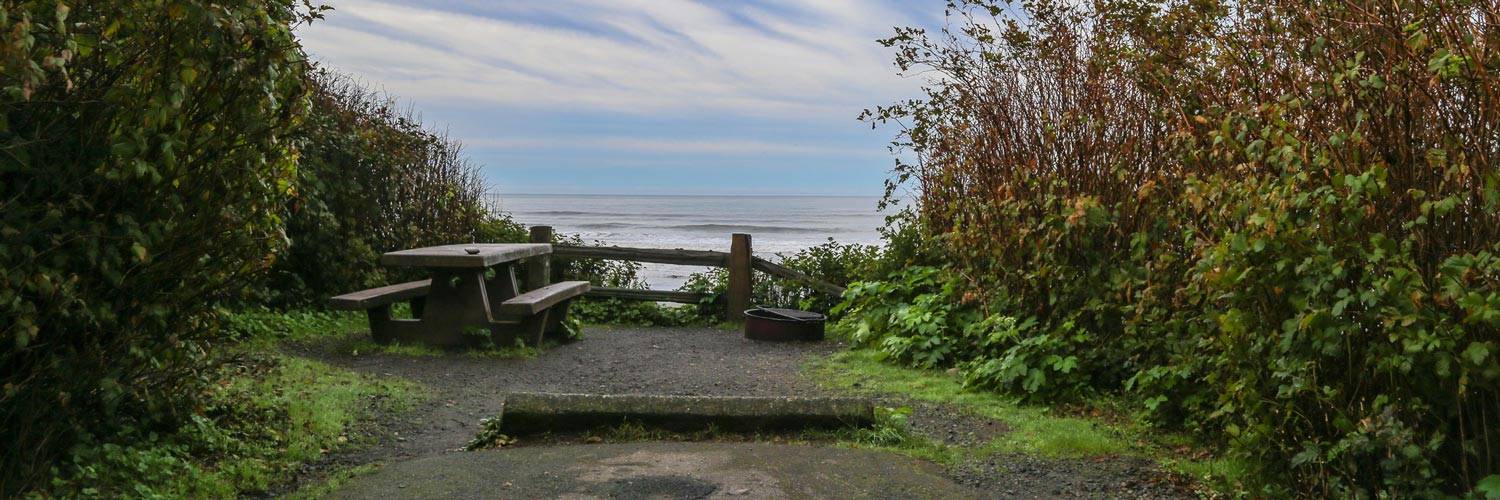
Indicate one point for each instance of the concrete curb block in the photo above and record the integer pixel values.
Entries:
(534, 413)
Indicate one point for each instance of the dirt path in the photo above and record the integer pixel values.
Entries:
(681, 361)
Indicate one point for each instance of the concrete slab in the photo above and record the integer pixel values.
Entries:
(533, 413)
(660, 470)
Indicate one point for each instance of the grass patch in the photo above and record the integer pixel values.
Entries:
(332, 483)
(892, 432)
(1033, 430)
(363, 346)
(322, 401)
(264, 413)
(348, 332)
(260, 328)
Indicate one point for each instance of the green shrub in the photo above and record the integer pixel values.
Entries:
(263, 418)
(615, 274)
(370, 180)
(1274, 223)
(837, 263)
(833, 262)
(144, 158)
(917, 318)
(501, 228)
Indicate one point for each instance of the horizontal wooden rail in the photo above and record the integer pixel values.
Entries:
(740, 260)
(651, 295)
(781, 271)
(657, 255)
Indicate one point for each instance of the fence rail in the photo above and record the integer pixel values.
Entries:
(739, 260)
(654, 255)
(781, 271)
(651, 295)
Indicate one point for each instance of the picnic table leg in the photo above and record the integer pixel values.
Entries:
(556, 329)
(457, 302)
(380, 324)
(535, 327)
(502, 286)
(417, 305)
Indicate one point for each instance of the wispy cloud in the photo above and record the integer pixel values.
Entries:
(660, 145)
(800, 71)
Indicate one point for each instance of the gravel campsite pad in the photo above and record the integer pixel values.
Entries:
(464, 388)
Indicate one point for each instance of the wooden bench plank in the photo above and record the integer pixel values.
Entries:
(538, 300)
(365, 299)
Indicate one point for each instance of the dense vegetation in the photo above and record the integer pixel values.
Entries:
(1276, 224)
(162, 160)
(145, 160)
(370, 179)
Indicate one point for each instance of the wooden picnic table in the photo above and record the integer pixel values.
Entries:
(472, 297)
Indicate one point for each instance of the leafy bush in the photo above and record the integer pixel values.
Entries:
(501, 228)
(144, 159)
(615, 274)
(370, 180)
(1273, 222)
(917, 317)
(263, 418)
(834, 262)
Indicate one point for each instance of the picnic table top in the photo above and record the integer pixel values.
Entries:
(460, 256)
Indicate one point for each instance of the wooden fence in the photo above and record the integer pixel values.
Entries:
(740, 260)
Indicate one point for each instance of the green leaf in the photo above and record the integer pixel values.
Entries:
(1477, 352)
(1489, 487)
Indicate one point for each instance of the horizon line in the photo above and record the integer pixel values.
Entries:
(679, 195)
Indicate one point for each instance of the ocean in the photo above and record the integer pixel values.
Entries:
(777, 224)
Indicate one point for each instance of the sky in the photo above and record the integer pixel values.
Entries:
(639, 96)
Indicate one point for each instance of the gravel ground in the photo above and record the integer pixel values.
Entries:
(1014, 475)
(679, 361)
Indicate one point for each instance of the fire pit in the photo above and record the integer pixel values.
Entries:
(779, 325)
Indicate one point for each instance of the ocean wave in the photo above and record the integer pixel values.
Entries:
(561, 212)
(583, 213)
(754, 229)
(609, 225)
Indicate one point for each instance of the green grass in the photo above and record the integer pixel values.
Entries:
(262, 414)
(332, 483)
(1035, 430)
(294, 413)
(891, 432)
(266, 414)
(323, 401)
(261, 328)
(362, 346)
(346, 331)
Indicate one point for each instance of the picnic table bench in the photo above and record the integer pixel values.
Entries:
(471, 299)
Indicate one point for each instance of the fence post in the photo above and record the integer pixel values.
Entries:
(740, 276)
(538, 269)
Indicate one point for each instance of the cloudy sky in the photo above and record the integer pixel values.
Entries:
(639, 96)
